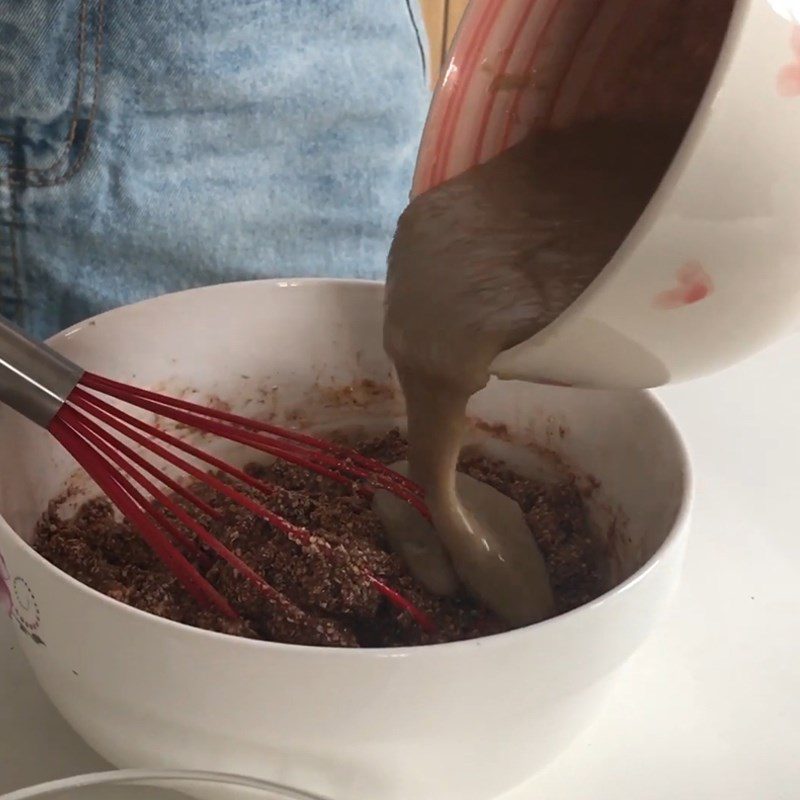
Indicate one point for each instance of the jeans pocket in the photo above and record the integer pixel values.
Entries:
(50, 96)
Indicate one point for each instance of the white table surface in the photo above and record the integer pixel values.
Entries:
(710, 706)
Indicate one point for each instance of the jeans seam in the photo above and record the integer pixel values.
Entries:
(418, 34)
(10, 273)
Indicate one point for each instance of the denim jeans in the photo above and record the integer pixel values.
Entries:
(151, 145)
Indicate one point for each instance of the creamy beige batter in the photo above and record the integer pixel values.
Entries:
(479, 264)
(488, 259)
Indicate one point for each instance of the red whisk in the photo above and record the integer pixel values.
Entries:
(108, 442)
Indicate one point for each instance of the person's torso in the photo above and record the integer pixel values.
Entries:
(147, 147)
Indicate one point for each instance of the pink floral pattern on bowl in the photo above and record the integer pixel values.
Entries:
(19, 603)
(789, 76)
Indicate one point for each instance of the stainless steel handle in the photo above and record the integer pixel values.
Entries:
(34, 379)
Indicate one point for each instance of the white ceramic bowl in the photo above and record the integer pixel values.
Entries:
(709, 274)
(460, 721)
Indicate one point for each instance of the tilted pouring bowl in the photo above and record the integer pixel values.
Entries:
(709, 275)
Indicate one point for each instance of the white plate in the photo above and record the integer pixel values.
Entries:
(709, 706)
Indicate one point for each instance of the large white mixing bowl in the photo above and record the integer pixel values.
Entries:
(459, 721)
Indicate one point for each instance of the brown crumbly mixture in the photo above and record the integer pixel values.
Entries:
(324, 599)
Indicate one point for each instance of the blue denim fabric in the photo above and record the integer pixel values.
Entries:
(152, 145)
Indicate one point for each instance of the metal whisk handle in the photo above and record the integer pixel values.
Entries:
(34, 379)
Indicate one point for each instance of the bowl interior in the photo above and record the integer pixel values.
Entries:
(309, 354)
(517, 66)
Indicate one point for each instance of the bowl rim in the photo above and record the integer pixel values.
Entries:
(145, 778)
(678, 528)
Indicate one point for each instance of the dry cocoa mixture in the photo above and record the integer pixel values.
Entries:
(333, 605)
